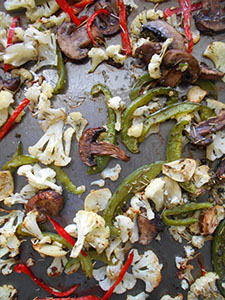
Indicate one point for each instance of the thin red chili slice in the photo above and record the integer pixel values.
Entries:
(65, 7)
(22, 268)
(124, 31)
(89, 297)
(79, 6)
(91, 20)
(5, 129)
(202, 266)
(120, 277)
(185, 6)
(10, 39)
(169, 11)
(64, 234)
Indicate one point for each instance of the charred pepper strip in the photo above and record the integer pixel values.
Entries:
(218, 255)
(135, 182)
(139, 84)
(10, 39)
(131, 142)
(17, 153)
(165, 114)
(102, 161)
(19, 160)
(185, 6)
(183, 209)
(124, 31)
(89, 297)
(65, 181)
(61, 72)
(91, 20)
(169, 12)
(12, 118)
(22, 268)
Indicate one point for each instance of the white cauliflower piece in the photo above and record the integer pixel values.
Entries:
(217, 148)
(114, 52)
(49, 249)
(141, 296)
(33, 93)
(67, 137)
(130, 3)
(57, 266)
(155, 192)
(50, 147)
(125, 226)
(40, 178)
(6, 98)
(3, 116)
(113, 245)
(215, 104)
(167, 297)
(6, 265)
(203, 286)
(7, 292)
(98, 238)
(216, 52)
(180, 170)
(97, 55)
(97, 200)
(138, 201)
(198, 241)
(148, 269)
(156, 60)
(137, 127)
(17, 4)
(6, 184)
(118, 106)
(31, 226)
(172, 192)
(78, 123)
(112, 173)
(52, 21)
(22, 197)
(24, 75)
(201, 176)
(45, 9)
(86, 222)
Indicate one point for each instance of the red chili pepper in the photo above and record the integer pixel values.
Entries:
(91, 20)
(120, 277)
(169, 11)
(89, 297)
(124, 31)
(64, 234)
(201, 265)
(78, 7)
(10, 39)
(22, 268)
(5, 129)
(65, 7)
(185, 6)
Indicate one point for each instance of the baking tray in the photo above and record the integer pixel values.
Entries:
(77, 98)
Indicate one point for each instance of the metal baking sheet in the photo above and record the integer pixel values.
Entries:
(77, 98)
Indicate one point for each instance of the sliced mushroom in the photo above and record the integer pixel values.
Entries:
(211, 18)
(173, 58)
(220, 172)
(11, 84)
(45, 202)
(110, 24)
(148, 228)
(208, 73)
(171, 77)
(201, 134)
(147, 50)
(75, 42)
(162, 31)
(89, 147)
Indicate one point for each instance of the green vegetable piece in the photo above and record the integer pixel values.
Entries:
(206, 112)
(61, 72)
(183, 209)
(131, 142)
(19, 160)
(17, 153)
(135, 182)
(208, 86)
(65, 181)
(110, 137)
(165, 114)
(86, 265)
(139, 84)
(218, 255)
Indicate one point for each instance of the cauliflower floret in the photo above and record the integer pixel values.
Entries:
(86, 223)
(155, 192)
(54, 250)
(97, 55)
(6, 184)
(173, 192)
(98, 238)
(217, 148)
(52, 21)
(40, 178)
(138, 201)
(130, 4)
(167, 297)
(30, 225)
(118, 106)
(78, 123)
(17, 4)
(141, 296)
(46, 9)
(148, 269)
(22, 197)
(7, 292)
(198, 241)
(203, 286)
(50, 147)
(57, 266)
(6, 98)
(137, 127)
(112, 173)
(97, 200)
(6, 265)
(33, 93)
(125, 226)
(215, 104)
(114, 52)
(216, 52)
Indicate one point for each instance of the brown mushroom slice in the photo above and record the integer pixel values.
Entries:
(220, 172)
(171, 77)
(147, 50)
(210, 74)
(11, 84)
(110, 24)
(89, 147)
(45, 202)
(162, 31)
(173, 58)
(148, 229)
(212, 218)
(74, 41)
(201, 134)
(211, 18)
